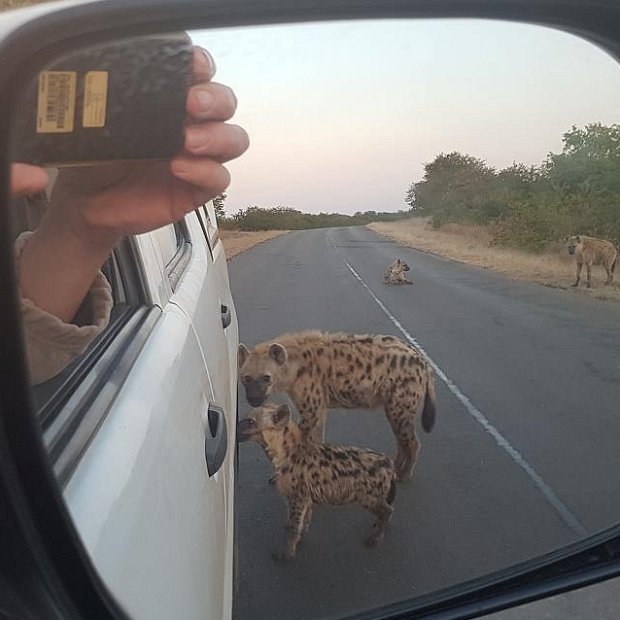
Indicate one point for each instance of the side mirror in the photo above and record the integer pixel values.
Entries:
(110, 504)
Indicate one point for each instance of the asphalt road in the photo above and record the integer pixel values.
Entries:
(524, 456)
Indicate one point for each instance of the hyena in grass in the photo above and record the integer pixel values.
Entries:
(320, 371)
(590, 251)
(309, 473)
(395, 273)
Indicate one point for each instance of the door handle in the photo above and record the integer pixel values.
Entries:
(216, 440)
(226, 315)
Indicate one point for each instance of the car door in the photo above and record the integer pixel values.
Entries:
(148, 494)
(207, 301)
(214, 317)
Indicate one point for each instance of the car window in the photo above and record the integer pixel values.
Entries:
(168, 239)
(211, 224)
(65, 400)
(208, 223)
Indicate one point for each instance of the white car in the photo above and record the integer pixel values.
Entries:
(141, 429)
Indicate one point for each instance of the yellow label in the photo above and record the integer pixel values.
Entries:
(56, 102)
(95, 99)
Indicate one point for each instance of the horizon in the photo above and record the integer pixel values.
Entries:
(342, 116)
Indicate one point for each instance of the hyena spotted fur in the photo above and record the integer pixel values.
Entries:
(320, 370)
(395, 273)
(311, 473)
(590, 251)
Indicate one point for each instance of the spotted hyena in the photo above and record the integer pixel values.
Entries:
(311, 473)
(590, 251)
(320, 371)
(395, 273)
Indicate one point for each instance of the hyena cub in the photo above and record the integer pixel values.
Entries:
(320, 371)
(395, 273)
(590, 251)
(311, 473)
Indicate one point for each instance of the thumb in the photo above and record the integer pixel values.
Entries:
(27, 179)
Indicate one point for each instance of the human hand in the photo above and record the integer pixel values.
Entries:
(101, 204)
(93, 207)
(27, 179)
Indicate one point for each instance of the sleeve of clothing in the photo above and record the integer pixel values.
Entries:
(52, 344)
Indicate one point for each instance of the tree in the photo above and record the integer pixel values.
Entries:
(218, 204)
(575, 191)
(455, 187)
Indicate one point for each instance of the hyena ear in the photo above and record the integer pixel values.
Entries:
(398, 261)
(281, 416)
(578, 238)
(242, 355)
(278, 353)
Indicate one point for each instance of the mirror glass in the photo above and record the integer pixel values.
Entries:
(454, 185)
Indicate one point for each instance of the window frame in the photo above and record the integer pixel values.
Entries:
(175, 268)
(73, 405)
(203, 227)
(206, 225)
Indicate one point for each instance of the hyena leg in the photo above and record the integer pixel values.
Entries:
(411, 445)
(312, 423)
(305, 520)
(307, 517)
(579, 268)
(296, 511)
(383, 511)
(610, 275)
(401, 415)
(399, 459)
(588, 272)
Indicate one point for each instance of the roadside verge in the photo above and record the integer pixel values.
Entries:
(237, 241)
(472, 245)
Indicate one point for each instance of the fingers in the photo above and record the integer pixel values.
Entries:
(204, 173)
(211, 101)
(27, 179)
(203, 65)
(219, 141)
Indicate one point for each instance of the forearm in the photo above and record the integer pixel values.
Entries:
(57, 269)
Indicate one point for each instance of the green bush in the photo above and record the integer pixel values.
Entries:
(285, 218)
(575, 191)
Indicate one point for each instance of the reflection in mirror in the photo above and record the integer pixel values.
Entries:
(383, 153)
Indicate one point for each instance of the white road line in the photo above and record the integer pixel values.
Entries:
(556, 503)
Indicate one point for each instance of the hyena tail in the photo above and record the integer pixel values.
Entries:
(429, 411)
(392, 492)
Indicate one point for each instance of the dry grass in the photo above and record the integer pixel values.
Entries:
(236, 241)
(471, 245)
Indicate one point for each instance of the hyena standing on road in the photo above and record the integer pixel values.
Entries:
(590, 251)
(320, 371)
(395, 273)
(309, 473)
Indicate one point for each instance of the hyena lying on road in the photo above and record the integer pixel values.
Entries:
(311, 473)
(590, 251)
(395, 273)
(320, 371)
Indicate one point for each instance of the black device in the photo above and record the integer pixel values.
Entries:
(112, 102)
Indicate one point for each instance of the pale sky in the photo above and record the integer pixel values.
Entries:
(342, 116)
